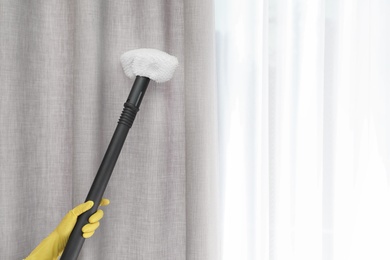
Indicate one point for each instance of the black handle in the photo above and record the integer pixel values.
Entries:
(131, 107)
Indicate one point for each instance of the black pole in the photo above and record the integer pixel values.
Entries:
(131, 107)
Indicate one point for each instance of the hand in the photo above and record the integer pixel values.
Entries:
(67, 224)
(53, 245)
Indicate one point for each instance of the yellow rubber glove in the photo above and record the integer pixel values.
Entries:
(52, 246)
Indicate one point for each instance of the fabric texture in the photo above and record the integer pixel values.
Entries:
(304, 129)
(62, 90)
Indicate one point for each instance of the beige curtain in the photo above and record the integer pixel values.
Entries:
(61, 92)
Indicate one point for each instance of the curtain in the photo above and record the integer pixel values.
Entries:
(62, 90)
(303, 91)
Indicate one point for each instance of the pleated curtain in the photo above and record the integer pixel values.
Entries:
(304, 101)
(62, 90)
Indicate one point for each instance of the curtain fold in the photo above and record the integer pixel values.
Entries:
(62, 90)
(303, 90)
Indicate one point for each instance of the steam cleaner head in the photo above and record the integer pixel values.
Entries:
(151, 63)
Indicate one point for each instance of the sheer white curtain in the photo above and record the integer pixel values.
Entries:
(304, 103)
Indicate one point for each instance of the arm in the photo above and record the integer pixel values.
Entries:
(52, 246)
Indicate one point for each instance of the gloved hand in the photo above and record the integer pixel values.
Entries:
(52, 246)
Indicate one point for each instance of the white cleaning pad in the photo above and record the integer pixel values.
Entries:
(154, 64)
